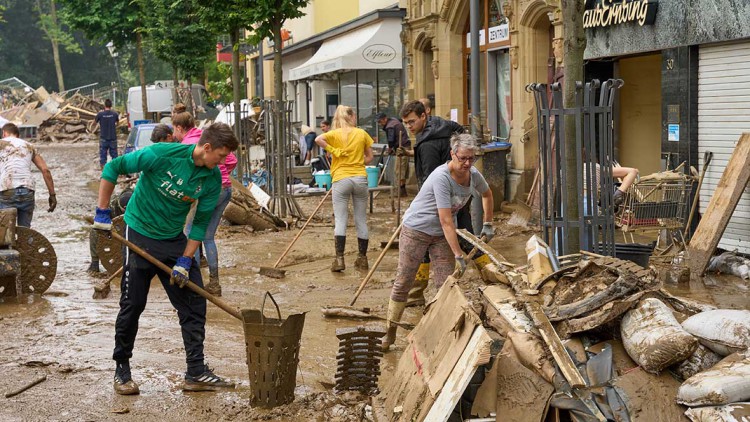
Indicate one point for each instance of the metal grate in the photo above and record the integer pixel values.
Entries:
(359, 359)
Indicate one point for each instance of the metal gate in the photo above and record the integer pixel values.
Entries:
(593, 155)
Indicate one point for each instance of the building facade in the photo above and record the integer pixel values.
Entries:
(346, 53)
(686, 68)
(520, 42)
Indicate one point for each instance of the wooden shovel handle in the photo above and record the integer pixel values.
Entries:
(375, 265)
(190, 285)
(288, 248)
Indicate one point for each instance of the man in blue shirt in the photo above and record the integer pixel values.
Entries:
(107, 120)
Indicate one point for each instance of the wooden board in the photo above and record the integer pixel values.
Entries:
(720, 208)
(435, 347)
(550, 337)
(476, 353)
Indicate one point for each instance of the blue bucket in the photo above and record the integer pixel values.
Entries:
(373, 174)
(323, 179)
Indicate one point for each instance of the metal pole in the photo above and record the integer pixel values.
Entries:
(260, 93)
(474, 66)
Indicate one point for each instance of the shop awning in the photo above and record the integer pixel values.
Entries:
(376, 46)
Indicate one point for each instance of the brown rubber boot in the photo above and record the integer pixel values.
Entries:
(395, 311)
(416, 294)
(213, 286)
(338, 264)
(361, 262)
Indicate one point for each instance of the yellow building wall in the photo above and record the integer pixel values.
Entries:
(640, 113)
(330, 13)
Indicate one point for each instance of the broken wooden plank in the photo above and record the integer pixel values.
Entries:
(549, 335)
(475, 354)
(721, 207)
(500, 300)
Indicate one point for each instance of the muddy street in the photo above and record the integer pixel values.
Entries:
(68, 336)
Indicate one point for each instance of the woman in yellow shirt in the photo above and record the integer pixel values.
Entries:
(351, 149)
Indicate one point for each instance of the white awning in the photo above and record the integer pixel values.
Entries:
(376, 46)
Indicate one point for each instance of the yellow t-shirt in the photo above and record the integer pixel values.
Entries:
(354, 163)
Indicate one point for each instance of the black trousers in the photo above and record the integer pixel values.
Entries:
(463, 221)
(136, 280)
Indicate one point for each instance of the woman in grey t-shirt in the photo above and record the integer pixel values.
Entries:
(430, 225)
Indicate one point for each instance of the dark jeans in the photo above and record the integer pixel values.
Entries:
(136, 280)
(22, 199)
(104, 146)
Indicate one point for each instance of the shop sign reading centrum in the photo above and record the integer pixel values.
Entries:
(614, 12)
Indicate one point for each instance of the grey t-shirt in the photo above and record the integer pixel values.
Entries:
(440, 191)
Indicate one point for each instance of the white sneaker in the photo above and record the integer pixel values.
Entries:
(307, 162)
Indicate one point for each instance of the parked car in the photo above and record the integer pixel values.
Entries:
(140, 137)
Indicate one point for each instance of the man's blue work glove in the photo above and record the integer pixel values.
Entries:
(487, 231)
(180, 271)
(460, 267)
(103, 219)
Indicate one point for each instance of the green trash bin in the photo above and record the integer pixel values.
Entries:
(495, 169)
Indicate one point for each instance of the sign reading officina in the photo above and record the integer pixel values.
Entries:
(603, 13)
(379, 53)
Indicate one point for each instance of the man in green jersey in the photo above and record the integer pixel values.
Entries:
(173, 176)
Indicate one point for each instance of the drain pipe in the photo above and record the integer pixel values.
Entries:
(474, 67)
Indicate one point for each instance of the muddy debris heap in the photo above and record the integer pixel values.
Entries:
(46, 117)
(597, 340)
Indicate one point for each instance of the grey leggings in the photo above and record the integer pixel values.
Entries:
(356, 187)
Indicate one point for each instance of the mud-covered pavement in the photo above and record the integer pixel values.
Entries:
(69, 336)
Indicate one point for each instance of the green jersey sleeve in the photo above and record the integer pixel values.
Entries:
(135, 162)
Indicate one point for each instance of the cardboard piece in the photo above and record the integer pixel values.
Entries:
(485, 402)
(539, 265)
(650, 398)
(522, 396)
(721, 207)
(437, 355)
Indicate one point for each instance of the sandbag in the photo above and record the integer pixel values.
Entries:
(724, 331)
(703, 358)
(735, 412)
(654, 338)
(727, 382)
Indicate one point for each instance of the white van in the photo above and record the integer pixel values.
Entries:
(160, 101)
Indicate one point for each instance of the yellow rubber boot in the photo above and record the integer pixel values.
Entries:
(487, 269)
(395, 311)
(416, 294)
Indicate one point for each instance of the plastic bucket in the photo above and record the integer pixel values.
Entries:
(323, 179)
(373, 174)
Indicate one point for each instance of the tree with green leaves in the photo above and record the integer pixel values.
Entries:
(178, 35)
(57, 36)
(269, 17)
(119, 21)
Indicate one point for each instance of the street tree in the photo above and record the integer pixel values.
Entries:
(574, 44)
(119, 21)
(178, 35)
(269, 17)
(57, 36)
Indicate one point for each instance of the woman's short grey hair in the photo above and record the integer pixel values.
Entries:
(465, 141)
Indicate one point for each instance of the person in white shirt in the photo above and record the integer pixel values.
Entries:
(16, 180)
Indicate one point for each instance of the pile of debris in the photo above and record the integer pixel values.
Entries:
(596, 339)
(46, 117)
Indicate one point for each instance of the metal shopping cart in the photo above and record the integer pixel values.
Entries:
(657, 203)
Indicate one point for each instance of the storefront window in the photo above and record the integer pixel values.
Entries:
(503, 94)
(348, 89)
(389, 92)
(366, 106)
(495, 13)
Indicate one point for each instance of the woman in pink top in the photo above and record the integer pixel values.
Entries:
(186, 132)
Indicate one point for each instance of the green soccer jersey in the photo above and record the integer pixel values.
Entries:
(169, 184)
